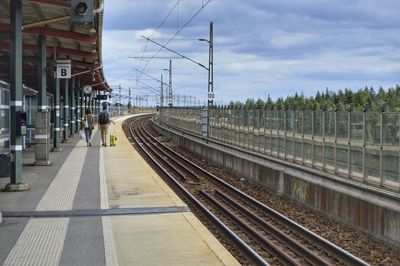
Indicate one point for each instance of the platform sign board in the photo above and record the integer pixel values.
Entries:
(100, 97)
(63, 69)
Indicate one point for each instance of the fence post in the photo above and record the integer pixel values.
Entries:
(285, 128)
(278, 120)
(258, 129)
(302, 137)
(381, 149)
(349, 141)
(237, 136)
(398, 119)
(335, 150)
(270, 131)
(231, 125)
(312, 135)
(364, 142)
(323, 138)
(294, 135)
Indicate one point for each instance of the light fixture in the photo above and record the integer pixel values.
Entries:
(92, 32)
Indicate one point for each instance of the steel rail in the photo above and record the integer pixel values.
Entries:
(246, 249)
(311, 236)
(272, 249)
(284, 239)
(297, 247)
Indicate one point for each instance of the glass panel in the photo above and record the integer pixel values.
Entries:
(289, 147)
(318, 154)
(330, 157)
(298, 150)
(342, 159)
(342, 125)
(391, 129)
(329, 125)
(308, 122)
(372, 164)
(298, 122)
(357, 126)
(307, 152)
(391, 166)
(373, 121)
(356, 162)
(289, 122)
(281, 143)
(318, 123)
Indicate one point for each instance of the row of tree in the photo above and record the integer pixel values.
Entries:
(363, 99)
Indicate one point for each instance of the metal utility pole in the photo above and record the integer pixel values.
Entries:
(170, 85)
(162, 92)
(211, 68)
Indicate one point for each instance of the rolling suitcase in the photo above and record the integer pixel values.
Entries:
(113, 138)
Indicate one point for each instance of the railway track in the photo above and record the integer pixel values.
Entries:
(266, 237)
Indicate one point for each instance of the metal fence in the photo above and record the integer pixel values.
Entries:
(362, 146)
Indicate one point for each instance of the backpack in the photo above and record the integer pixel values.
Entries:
(103, 118)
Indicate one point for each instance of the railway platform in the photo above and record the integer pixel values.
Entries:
(101, 206)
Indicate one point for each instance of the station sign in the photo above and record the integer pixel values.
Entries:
(101, 97)
(63, 69)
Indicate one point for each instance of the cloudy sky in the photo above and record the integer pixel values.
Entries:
(261, 47)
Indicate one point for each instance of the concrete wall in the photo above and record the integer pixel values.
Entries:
(368, 209)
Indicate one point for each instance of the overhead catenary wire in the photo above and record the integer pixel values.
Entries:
(162, 22)
(178, 31)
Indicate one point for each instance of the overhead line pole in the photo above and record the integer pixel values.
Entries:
(170, 85)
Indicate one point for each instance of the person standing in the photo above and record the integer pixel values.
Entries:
(104, 122)
(88, 126)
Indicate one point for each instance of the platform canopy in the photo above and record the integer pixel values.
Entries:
(80, 43)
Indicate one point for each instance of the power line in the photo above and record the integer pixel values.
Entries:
(183, 27)
(162, 22)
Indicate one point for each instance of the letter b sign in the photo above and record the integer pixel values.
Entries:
(63, 69)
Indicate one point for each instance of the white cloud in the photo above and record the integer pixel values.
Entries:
(260, 47)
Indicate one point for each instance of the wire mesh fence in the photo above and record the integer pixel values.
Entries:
(362, 146)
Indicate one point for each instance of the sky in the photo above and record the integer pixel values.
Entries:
(261, 47)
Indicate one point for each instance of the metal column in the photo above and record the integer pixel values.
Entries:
(72, 107)
(170, 85)
(78, 109)
(57, 126)
(83, 103)
(66, 111)
(42, 130)
(16, 182)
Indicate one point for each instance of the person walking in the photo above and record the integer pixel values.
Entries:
(88, 126)
(104, 122)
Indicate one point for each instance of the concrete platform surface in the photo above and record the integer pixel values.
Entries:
(59, 220)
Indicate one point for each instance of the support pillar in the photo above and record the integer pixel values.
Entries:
(16, 180)
(42, 129)
(72, 109)
(83, 103)
(57, 126)
(78, 107)
(66, 112)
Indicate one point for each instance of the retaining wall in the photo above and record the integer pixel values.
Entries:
(369, 209)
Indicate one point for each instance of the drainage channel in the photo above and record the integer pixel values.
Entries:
(95, 212)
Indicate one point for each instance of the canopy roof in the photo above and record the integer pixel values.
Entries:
(79, 43)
